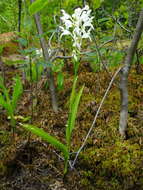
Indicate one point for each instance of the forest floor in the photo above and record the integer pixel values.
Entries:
(106, 163)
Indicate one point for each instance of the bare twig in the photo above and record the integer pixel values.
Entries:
(120, 24)
(95, 118)
(108, 41)
(100, 57)
(111, 40)
(61, 57)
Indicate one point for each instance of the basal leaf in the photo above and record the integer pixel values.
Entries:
(72, 96)
(5, 91)
(17, 91)
(75, 99)
(75, 109)
(50, 139)
(6, 106)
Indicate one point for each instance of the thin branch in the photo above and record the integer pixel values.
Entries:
(108, 41)
(95, 118)
(61, 57)
(100, 57)
(121, 25)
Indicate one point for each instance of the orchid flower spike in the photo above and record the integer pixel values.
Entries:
(78, 26)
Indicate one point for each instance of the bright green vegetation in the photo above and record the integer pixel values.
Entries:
(10, 103)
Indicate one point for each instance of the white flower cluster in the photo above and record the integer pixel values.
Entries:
(78, 26)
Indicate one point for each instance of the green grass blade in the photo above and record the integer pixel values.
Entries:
(4, 90)
(50, 139)
(75, 109)
(1, 82)
(17, 91)
(72, 97)
(73, 93)
(6, 105)
(73, 114)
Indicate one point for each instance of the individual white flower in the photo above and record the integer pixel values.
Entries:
(78, 26)
(86, 35)
(65, 15)
(77, 13)
(64, 31)
(66, 19)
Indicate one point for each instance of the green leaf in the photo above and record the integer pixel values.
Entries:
(17, 91)
(72, 96)
(6, 106)
(50, 139)
(1, 83)
(74, 103)
(5, 91)
(96, 3)
(37, 6)
(60, 80)
(72, 118)
(1, 49)
(104, 19)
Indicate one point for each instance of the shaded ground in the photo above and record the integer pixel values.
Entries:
(107, 162)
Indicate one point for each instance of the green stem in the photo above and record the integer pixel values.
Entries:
(66, 164)
(76, 67)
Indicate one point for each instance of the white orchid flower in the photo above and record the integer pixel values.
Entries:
(64, 31)
(78, 26)
(77, 13)
(65, 15)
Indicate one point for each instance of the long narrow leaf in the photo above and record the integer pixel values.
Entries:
(73, 114)
(75, 108)
(4, 90)
(1, 82)
(50, 139)
(17, 91)
(6, 106)
(37, 6)
(72, 96)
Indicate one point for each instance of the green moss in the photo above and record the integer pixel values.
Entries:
(85, 181)
(121, 164)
